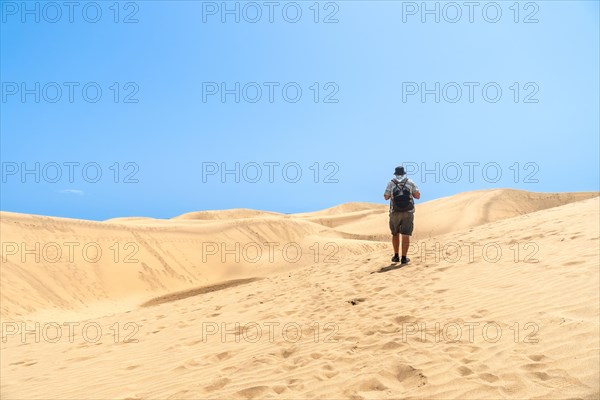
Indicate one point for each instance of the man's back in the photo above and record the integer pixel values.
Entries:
(401, 191)
(401, 182)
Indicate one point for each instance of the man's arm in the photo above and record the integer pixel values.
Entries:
(415, 191)
(388, 192)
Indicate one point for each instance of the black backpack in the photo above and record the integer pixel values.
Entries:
(401, 198)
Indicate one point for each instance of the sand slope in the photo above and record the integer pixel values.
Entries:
(57, 263)
(464, 210)
(518, 320)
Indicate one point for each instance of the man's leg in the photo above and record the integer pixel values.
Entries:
(405, 244)
(406, 231)
(395, 231)
(396, 243)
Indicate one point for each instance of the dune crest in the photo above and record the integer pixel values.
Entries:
(237, 213)
(464, 210)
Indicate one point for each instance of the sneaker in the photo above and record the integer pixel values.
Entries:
(405, 260)
(395, 259)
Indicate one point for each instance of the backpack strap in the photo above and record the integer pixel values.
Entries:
(405, 182)
(397, 183)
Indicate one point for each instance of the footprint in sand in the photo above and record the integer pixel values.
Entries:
(542, 376)
(295, 384)
(464, 371)
(221, 356)
(330, 374)
(403, 319)
(490, 378)
(537, 357)
(371, 385)
(393, 345)
(534, 366)
(285, 353)
(409, 376)
(217, 384)
(279, 389)
(252, 392)
(187, 365)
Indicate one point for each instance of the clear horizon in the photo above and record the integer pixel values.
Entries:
(417, 202)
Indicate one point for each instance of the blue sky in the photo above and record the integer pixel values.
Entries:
(160, 133)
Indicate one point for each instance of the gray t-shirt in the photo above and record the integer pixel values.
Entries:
(410, 185)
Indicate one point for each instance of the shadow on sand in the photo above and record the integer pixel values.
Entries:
(390, 267)
(167, 298)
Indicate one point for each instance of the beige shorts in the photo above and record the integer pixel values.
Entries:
(402, 223)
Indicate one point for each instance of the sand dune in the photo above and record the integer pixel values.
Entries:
(58, 263)
(501, 301)
(130, 219)
(463, 211)
(238, 213)
(346, 208)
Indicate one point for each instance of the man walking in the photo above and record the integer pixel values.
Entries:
(401, 191)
